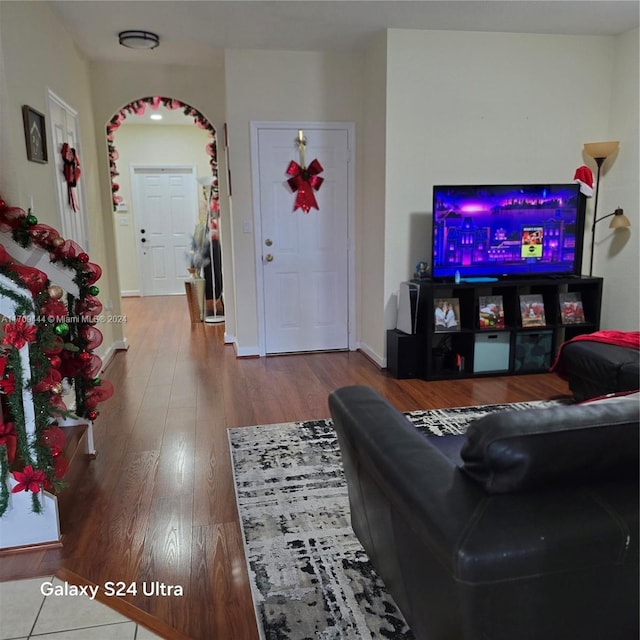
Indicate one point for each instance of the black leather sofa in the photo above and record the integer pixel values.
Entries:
(526, 528)
(595, 369)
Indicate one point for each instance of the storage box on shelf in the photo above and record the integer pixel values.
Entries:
(515, 344)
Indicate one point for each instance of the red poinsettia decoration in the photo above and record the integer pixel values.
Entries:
(29, 479)
(18, 333)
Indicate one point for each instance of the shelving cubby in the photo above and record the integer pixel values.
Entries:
(470, 350)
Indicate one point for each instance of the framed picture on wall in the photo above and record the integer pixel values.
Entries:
(35, 134)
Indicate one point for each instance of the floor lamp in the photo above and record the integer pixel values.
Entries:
(618, 221)
(599, 151)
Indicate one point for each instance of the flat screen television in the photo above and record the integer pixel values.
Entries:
(507, 230)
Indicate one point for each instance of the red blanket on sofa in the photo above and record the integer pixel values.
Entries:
(630, 339)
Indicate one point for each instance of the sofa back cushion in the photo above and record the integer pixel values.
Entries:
(565, 445)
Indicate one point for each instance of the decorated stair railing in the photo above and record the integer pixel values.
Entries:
(48, 371)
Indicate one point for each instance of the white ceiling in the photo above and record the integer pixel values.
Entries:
(194, 32)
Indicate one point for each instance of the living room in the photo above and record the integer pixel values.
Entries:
(497, 108)
(429, 106)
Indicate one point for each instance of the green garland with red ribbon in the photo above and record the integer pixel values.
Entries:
(61, 337)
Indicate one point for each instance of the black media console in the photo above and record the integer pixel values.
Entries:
(471, 347)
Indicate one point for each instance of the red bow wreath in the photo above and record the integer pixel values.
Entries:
(304, 181)
(71, 171)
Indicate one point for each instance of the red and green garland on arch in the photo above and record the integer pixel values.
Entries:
(138, 108)
(61, 343)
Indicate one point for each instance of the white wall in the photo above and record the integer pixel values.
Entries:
(150, 145)
(277, 86)
(370, 236)
(456, 106)
(37, 54)
(616, 256)
(487, 108)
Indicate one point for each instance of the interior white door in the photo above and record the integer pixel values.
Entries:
(65, 128)
(166, 211)
(305, 257)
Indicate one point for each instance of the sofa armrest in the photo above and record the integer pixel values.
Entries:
(420, 481)
(557, 447)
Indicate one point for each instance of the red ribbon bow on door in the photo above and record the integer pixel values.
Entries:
(71, 171)
(304, 181)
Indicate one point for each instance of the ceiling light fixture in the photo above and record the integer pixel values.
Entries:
(134, 39)
(156, 116)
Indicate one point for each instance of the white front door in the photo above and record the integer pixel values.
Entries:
(166, 212)
(304, 257)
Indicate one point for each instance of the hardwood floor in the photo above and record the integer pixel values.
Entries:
(158, 502)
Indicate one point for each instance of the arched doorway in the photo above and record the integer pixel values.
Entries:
(175, 112)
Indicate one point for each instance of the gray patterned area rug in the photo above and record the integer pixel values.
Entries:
(311, 579)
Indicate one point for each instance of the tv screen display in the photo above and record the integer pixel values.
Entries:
(507, 230)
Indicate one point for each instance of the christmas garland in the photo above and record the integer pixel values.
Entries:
(138, 107)
(60, 337)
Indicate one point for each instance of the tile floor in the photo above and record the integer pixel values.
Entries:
(26, 613)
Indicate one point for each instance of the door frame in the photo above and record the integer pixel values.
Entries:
(349, 128)
(135, 170)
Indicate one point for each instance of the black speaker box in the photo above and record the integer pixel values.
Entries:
(404, 354)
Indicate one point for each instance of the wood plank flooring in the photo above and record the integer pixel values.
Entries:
(158, 502)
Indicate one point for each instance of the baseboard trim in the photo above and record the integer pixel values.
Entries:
(246, 352)
(376, 358)
(30, 548)
(118, 345)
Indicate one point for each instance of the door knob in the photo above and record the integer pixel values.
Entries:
(268, 242)
(268, 257)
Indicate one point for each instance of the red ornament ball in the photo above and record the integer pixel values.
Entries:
(92, 415)
(84, 356)
(83, 257)
(55, 361)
